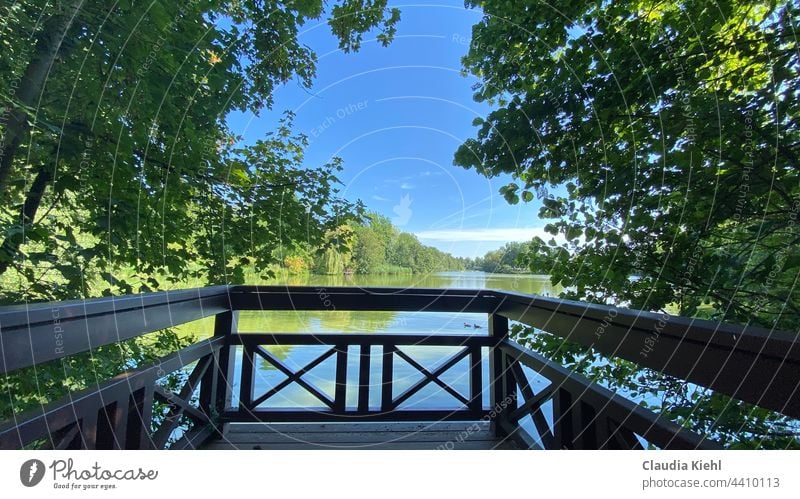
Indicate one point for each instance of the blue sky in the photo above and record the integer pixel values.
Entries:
(396, 115)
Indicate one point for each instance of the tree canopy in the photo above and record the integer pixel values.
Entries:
(661, 139)
(506, 259)
(116, 160)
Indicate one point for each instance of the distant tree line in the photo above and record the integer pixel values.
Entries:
(373, 246)
(505, 260)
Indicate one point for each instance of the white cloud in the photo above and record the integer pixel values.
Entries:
(499, 234)
(406, 186)
(379, 198)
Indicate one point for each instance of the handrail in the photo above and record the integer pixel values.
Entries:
(388, 406)
(111, 403)
(752, 364)
(600, 406)
(746, 362)
(366, 298)
(40, 332)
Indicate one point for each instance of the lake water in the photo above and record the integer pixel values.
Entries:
(391, 322)
(405, 375)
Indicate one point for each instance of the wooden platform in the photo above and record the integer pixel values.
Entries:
(466, 435)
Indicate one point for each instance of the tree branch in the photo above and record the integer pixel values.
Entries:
(47, 48)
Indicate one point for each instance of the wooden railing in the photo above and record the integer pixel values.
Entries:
(567, 411)
(367, 346)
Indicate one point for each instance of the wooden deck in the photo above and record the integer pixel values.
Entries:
(464, 435)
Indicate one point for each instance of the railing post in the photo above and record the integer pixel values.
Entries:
(216, 389)
(340, 390)
(387, 373)
(563, 422)
(112, 425)
(475, 381)
(140, 417)
(363, 378)
(502, 388)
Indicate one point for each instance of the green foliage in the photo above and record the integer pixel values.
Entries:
(387, 269)
(673, 128)
(661, 138)
(505, 260)
(128, 161)
(375, 246)
(351, 20)
(331, 262)
(369, 252)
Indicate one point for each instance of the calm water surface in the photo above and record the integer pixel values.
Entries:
(391, 322)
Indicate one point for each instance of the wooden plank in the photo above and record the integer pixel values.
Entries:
(120, 422)
(623, 437)
(650, 425)
(361, 437)
(441, 426)
(288, 372)
(423, 435)
(140, 412)
(500, 391)
(41, 332)
(475, 379)
(563, 424)
(179, 407)
(38, 423)
(89, 430)
(216, 388)
(67, 438)
(753, 364)
(532, 404)
(315, 415)
(296, 376)
(340, 390)
(368, 299)
(519, 435)
(478, 445)
(195, 437)
(411, 339)
(394, 435)
(705, 332)
(387, 372)
(545, 434)
(247, 380)
(441, 369)
(587, 421)
(435, 379)
(111, 425)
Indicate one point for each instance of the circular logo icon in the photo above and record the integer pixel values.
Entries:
(31, 472)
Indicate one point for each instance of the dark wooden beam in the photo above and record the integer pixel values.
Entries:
(40, 332)
(252, 339)
(371, 299)
(315, 416)
(364, 363)
(648, 424)
(39, 423)
(748, 363)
